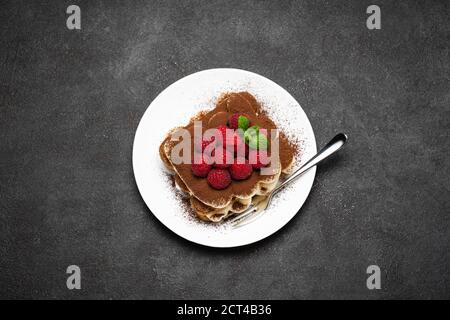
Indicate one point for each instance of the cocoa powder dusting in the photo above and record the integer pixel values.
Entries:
(228, 104)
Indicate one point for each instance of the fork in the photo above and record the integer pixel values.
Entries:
(253, 212)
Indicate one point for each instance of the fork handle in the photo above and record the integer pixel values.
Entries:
(334, 145)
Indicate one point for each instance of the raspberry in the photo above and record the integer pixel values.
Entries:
(233, 143)
(219, 179)
(233, 121)
(223, 132)
(200, 168)
(255, 158)
(238, 121)
(241, 171)
(201, 145)
(227, 159)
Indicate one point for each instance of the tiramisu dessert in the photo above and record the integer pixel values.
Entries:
(233, 167)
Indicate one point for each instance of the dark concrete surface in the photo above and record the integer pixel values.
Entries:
(71, 102)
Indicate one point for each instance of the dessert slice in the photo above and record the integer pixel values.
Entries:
(219, 190)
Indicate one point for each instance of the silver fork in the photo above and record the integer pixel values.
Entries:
(253, 212)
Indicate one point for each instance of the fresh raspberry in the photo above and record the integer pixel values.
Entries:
(227, 159)
(219, 179)
(200, 167)
(241, 171)
(255, 158)
(201, 145)
(233, 121)
(201, 158)
(233, 142)
(237, 121)
(223, 131)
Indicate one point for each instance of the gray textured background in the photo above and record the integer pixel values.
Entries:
(71, 101)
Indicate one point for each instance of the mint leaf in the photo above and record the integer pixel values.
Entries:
(243, 122)
(251, 133)
(263, 142)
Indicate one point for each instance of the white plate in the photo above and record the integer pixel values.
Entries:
(174, 107)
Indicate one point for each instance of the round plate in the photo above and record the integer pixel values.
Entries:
(174, 107)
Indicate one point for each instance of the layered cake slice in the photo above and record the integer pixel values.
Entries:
(240, 163)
